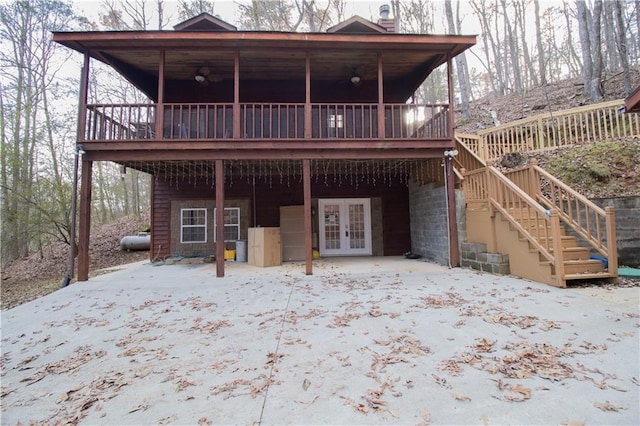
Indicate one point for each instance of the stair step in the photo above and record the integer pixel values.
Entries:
(589, 276)
(570, 253)
(567, 241)
(582, 266)
(575, 253)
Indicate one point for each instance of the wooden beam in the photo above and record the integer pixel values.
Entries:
(219, 218)
(317, 154)
(85, 220)
(268, 145)
(308, 249)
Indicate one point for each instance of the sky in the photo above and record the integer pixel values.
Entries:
(227, 9)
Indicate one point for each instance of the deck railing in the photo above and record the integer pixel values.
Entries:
(202, 121)
(555, 130)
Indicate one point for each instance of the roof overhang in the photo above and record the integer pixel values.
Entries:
(407, 58)
(632, 103)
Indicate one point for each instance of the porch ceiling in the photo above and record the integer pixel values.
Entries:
(406, 58)
(278, 171)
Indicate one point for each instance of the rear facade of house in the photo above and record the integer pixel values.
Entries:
(317, 134)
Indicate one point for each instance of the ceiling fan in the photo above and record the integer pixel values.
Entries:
(204, 76)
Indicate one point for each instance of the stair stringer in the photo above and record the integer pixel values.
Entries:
(524, 260)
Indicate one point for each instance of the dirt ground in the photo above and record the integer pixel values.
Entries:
(43, 272)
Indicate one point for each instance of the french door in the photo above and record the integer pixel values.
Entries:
(345, 226)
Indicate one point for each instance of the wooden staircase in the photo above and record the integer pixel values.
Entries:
(577, 262)
(549, 231)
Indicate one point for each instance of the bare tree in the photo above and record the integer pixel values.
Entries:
(622, 45)
(190, 8)
(461, 60)
(33, 191)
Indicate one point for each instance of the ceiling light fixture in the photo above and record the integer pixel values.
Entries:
(200, 78)
(355, 79)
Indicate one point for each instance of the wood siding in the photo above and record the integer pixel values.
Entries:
(269, 196)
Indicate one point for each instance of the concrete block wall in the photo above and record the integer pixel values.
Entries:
(475, 256)
(428, 212)
(627, 210)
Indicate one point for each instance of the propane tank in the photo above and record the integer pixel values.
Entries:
(142, 241)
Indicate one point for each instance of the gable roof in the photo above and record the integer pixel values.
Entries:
(204, 22)
(357, 24)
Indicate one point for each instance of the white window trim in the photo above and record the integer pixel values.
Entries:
(182, 225)
(215, 225)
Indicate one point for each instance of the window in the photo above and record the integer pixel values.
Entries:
(231, 224)
(336, 121)
(193, 225)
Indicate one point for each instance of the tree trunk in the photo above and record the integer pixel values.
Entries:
(541, 62)
(462, 79)
(622, 45)
(585, 44)
(596, 49)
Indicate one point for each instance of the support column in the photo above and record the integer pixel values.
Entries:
(160, 107)
(450, 182)
(236, 95)
(85, 220)
(307, 97)
(219, 166)
(381, 123)
(308, 249)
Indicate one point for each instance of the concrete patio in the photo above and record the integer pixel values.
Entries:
(362, 341)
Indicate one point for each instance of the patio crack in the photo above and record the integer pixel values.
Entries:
(276, 352)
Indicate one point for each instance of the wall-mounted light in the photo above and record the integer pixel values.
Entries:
(355, 79)
(451, 153)
(200, 78)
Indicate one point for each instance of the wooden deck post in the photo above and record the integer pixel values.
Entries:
(612, 240)
(160, 107)
(381, 123)
(85, 220)
(307, 97)
(236, 95)
(308, 249)
(454, 252)
(219, 166)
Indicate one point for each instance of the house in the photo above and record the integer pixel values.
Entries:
(260, 121)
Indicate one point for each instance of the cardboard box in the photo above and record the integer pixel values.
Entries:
(264, 247)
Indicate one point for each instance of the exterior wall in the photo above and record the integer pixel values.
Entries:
(429, 230)
(208, 248)
(389, 207)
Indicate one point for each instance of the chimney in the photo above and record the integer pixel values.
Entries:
(387, 23)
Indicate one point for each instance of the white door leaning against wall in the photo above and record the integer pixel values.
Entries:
(345, 226)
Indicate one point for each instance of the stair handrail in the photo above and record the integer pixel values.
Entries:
(581, 214)
(467, 158)
(543, 131)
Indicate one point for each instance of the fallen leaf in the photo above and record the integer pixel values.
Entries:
(607, 406)
(461, 397)
(305, 384)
